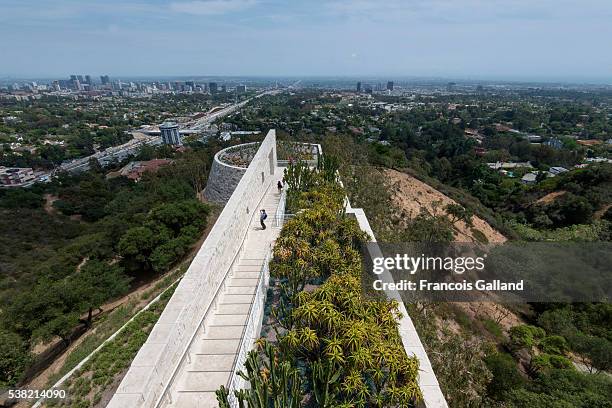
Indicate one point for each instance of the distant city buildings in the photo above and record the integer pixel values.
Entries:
(377, 87)
(212, 87)
(241, 89)
(105, 79)
(170, 134)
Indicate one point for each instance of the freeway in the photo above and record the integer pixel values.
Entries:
(141, 139)
(208, 119)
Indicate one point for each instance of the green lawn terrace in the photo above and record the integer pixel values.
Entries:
(290, 295)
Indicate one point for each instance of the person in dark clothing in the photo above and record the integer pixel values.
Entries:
(262, 218)
(279, 185)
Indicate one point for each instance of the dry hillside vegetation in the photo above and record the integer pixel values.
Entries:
(411, 196)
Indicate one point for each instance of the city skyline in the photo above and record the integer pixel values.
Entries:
(474, 40)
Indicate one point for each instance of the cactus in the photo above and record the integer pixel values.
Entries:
(222, 397)
(274, 383)
(324, 378)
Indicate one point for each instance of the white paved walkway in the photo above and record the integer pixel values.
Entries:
(212, 354)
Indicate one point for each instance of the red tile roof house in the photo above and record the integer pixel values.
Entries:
(135, 170)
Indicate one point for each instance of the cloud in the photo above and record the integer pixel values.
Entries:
(211, 7)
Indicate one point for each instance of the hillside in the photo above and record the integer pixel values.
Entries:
(410, 196)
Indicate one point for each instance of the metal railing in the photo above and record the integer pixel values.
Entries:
(280, 210)
(251, 330)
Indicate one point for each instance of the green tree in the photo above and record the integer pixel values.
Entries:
(95, 283)
(14, 358)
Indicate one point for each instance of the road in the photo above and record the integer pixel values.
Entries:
(140, 139)
(208, 119)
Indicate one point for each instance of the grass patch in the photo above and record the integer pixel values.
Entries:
(494, 328)
(88, 383)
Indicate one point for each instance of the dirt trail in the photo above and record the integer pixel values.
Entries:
(550, 197)
(411, 195)
(49, 200)
(41, 380)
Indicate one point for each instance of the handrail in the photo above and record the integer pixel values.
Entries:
(249, 334)
(280, 210)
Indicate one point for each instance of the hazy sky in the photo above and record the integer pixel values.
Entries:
(513, 39)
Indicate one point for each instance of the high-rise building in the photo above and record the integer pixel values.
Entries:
(389, 85)
(104, 79)
(170, 134)
(358, 86)
(240, 89)
(223, 88)
(212, 87)
(88, 80)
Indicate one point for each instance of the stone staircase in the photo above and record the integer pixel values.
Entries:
(212, 356)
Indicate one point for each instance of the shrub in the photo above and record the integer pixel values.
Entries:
(554, 345)
(525, 336)
(506, 376)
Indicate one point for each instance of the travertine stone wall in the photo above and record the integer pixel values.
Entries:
(163, 353)
(222, 181)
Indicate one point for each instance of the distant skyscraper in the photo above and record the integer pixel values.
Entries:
(450, 86)
(241, 89)
(88, 79)
(390, 86)
(212, 87)
(358, 86)
(223, 88)
(170, 134)
(367, 88)
(104, 79)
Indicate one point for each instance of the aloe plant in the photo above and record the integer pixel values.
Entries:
(333, 348)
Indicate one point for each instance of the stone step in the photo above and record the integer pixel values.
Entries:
(232, 309)
(240, 290)
(245, 275)
(212, 346)
(237, 283)
(236, 299)
(228, 319)
(211, 362)
(223, 332)
(194, 400)
(203, 381)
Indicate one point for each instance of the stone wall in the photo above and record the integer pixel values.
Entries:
(428, 383)
(223, 179)
(152, 371)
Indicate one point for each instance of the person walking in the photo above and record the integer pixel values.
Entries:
(279, 185)
(262, 217)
